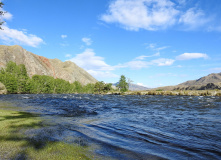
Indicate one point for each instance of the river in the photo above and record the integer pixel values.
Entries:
(131, 127)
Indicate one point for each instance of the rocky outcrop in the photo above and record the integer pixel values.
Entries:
(40, 65)
(3, 90)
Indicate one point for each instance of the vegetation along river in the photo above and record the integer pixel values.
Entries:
(131, 127)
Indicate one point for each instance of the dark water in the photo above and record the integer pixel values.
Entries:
(133, 127)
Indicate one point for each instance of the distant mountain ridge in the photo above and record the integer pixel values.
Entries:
(211, 78)
(209, 82)
(135, 87)
(40, 65)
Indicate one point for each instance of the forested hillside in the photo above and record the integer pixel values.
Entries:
(16, 80)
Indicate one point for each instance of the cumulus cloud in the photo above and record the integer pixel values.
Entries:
(19, 37)
(141, 14)
(96, 65)
(188, 56)
(87, 41)
(155, 15)
(93, 64)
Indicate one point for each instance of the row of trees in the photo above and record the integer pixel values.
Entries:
(16, 80)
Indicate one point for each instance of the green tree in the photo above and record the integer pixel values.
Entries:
(123, 85)
(99, 87)
(108, 87)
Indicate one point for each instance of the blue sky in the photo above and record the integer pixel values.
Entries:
(152, 42)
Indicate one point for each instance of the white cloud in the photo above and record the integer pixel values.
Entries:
(162, 62)
(63, 36)
(102, 74)
(193, 18)
(188, 56)
(141, 14)
(87, 41)
(6, 15)
(156, 15)
(139, 64)
(141, 84)
(143, 56)
(95, 65)
(68, 55)
(154, 47)
(136, 64)
(19, 37)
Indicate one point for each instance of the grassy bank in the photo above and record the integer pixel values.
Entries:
(173, 93)
(16, 144)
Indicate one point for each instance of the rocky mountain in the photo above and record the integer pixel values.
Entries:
(210, 82)
(40, 65)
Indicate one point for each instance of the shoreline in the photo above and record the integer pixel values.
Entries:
(170, 93)
(20, 138)
(152, 92)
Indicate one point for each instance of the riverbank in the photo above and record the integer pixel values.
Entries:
(15, 143)
(172, 93)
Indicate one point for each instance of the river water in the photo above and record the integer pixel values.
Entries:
(132, 127)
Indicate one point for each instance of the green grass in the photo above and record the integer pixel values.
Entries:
(16, 144)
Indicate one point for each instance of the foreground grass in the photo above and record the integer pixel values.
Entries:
(16, 144)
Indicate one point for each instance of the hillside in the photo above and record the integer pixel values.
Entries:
(210, 82)
(211, 78)
(40, 65)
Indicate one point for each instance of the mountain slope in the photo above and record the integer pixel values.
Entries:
(210, 82)
(40, 65)
(211, 78)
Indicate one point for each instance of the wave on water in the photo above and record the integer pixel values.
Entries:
(133, 127)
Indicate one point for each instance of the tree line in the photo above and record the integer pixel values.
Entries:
(17, 81)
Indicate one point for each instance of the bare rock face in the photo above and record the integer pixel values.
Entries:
(40, 65)
(3, 90)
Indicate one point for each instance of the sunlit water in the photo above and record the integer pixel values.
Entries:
(132, 127)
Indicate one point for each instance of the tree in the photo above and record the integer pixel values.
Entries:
(99, 87)
(123, 85)
(1, 14)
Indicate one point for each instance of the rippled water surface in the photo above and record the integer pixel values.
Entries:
(133, 127)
